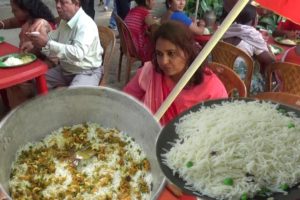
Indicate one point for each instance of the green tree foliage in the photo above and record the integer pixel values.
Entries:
(204, 6)
(269, 22)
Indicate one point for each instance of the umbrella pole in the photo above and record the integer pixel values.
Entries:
(196, 11)
(235, 11)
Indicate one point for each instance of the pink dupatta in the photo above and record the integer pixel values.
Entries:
(157, 87)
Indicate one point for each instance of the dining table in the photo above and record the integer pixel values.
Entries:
(272, 41)
(10, 76)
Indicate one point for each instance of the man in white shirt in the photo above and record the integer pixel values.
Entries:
(74, 45)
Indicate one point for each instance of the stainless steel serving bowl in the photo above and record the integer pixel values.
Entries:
(35, 119)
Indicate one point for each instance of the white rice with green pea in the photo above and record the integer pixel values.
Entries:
(237, 150)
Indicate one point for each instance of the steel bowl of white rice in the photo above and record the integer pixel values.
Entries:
(93, 111)
(233, 149)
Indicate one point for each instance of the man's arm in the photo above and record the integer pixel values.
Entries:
(75, 49)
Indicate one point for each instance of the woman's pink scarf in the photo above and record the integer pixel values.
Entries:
(158, 87)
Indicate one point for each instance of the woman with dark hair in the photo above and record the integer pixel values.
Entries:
(140, 23)
(175, 12)
(32, 15)
(175, 50)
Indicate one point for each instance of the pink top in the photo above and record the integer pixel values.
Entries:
(29, 26)
(152, 88)
(135, 21)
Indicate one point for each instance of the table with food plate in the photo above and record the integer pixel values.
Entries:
(278, 46)
(16, 68)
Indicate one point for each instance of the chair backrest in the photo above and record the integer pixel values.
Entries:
(288, 75)
(230, 79)
(280, 97)
(127, 46)
(108, 42)
(226, 54)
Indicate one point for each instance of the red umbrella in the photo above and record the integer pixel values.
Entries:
(286, 8)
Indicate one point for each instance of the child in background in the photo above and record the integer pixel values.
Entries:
(141, 24)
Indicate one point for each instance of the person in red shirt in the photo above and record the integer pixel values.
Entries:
(30, 16)
(141, 25)
(287, 29)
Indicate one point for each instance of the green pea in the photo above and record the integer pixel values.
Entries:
(189, 164)
(291, 125)
(228, 181)
(281, 110)
(244, 196)
(284, 187)
(264, 192)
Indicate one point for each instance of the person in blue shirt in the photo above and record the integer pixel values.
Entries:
(175, 12)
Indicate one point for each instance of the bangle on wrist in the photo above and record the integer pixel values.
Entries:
(2, 23)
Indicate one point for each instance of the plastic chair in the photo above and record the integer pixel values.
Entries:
(280, 97)
(108, 42)
(127, 47)
(230, 79)
(288, 75)
(226, 54)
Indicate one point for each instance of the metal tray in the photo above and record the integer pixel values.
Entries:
(168, 135)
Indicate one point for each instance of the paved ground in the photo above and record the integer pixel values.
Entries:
(101, 18)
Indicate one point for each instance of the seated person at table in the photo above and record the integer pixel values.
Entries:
(175, 12)
(287, 29)
(175, 50)
(31, 16)
(141, 24)
(14, 22)
(292, 55)
(74, 45)
(243, 35)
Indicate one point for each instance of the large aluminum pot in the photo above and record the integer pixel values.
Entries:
(35, 119)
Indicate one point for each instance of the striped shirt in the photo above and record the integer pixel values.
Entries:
(135, 21)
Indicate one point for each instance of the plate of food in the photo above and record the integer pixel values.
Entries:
(286, 41)
(208, 153)
(207, 31)
(1, 39)
(275, 49)
(16, 59)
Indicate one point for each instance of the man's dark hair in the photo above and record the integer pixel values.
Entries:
(247, 15)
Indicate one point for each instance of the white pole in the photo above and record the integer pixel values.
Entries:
(196, 11)
(201, 57)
